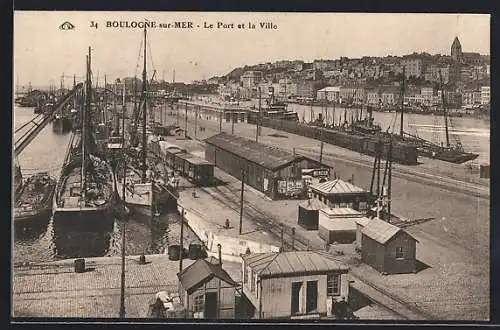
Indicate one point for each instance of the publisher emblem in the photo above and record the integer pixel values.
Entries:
(67, 26)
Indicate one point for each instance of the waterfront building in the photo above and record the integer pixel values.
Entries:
(305, 88)
(275, 172)
(428, 95)
(485, 95)
(340, 194)
(309, 282)
(354, 94)
(388, 248)
(330, 93)
(207, 291)
(287, 88)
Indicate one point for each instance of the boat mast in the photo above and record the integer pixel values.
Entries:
(144, 114)
(402, 102)
(85, 128)
(445, 111)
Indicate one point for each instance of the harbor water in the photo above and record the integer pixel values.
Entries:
(43, 241)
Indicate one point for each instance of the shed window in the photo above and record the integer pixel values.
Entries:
(198, 304)
(333, 285)
(400, 253)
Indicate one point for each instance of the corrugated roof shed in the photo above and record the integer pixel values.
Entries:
(275, 264)
(381, 231)
(266, 156)
(336, 187)
(363, 221)
(202, 271)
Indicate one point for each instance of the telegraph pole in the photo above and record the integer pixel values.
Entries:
(241, 198)
(196, 120)
(258, 116)
(122, 287)
(186, 122)
(181, 241)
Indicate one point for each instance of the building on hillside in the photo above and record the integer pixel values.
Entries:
(340, 194)
(352, 94)
(305, 88)
(287, 88)
(275, 172)
(413, 67)
(330, 93)
(388, 248)
(250, 79)
(456, 50)
(199, 287)
(294, 284)
(485, 95)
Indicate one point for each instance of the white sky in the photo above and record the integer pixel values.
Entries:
(42, 51)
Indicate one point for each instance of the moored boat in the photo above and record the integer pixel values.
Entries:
(34, 201)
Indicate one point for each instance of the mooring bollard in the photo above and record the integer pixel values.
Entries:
(80, 265)
(142, 259)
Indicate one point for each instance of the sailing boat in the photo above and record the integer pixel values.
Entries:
(85, 190)
(143, 194)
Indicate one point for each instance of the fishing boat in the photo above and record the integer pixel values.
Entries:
(85, 192)
(34, 201)
(136, 181)
(61, 124)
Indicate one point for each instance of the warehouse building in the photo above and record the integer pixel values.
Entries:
(275, 172)
(388, 248)
(294, 284)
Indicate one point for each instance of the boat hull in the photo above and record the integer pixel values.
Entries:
(61, 125)
(27, 219)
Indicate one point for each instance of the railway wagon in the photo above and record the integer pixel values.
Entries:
(401, 152)
(197, 170)
(169, 151)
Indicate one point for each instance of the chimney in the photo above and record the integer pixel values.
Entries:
(220, 255)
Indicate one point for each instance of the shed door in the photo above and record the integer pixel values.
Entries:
(211, 305)
(296, 297)
(312, 296)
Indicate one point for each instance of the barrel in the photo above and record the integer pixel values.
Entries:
(484, 171)
(174, 252)
(80, 265)
(194, 251)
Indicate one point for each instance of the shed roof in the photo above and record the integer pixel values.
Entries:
(266, 156)
(381, 231)
(275, 264)
(363, 221)
(341, 212)
(192, 159)
(336, 187)
(312, 204)
(202, 271)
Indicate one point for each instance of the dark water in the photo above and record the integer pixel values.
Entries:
(42, 240)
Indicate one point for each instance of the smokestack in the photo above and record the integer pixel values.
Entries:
(220, 255)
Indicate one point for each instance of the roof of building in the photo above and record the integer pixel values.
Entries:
(164, 145)
(202, 271)
(266, 156)
(341, 212)
(335, 187)
(275, 264)
(381, 231)
(312, 204)
(363, 221)
(195, 160)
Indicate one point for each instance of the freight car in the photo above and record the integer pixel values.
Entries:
(402, 153)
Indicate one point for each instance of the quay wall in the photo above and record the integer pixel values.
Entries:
(232, 247)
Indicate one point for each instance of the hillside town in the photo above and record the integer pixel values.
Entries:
(370, 80)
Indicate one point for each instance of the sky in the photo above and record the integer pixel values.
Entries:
(43, 52)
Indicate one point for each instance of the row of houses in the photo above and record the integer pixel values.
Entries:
(391, 95)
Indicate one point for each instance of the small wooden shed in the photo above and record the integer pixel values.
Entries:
(308, 217)
(388, 248)
(207, 291)
(360, 224)
(339, 193)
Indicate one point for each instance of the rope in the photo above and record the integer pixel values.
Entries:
(30, 121)
(138, 60)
